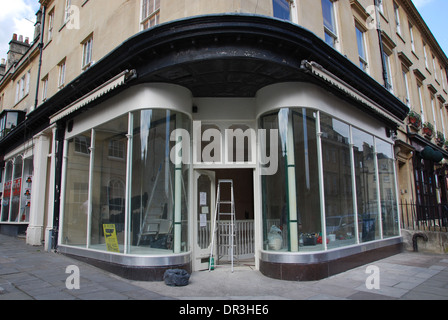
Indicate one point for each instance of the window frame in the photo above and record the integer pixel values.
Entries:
(279, 7)
(62, 69)
(363, 60)
(149, 18)
(87, 52)
(333, 34)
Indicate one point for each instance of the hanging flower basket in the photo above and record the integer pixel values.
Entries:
(415, 120)
(440, 139)
(428, 130)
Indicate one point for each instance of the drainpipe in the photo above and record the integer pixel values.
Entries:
(380, 38)
(41, 49)
(60, 137)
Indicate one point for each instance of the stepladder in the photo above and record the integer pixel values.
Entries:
(223, 238)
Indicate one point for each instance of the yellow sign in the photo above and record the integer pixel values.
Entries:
(111, 238)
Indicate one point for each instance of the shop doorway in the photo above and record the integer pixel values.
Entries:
(205, 188)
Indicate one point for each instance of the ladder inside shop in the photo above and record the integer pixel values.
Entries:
(231, 230)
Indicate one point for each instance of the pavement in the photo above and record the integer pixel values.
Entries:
(31, 273)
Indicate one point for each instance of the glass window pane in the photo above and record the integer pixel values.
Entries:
(307, 179)
(282, 9)
(159, 189)
(275, 220)
(27, 181)
(360, 40)
(388, 193)
(336, 158)
(328, 15)
(109, 182)
(7, 191)
(366, 186)
(330, 40)
(74, 229)
(291, 202)
(16, 190)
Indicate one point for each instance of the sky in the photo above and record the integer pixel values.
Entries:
(15, 16)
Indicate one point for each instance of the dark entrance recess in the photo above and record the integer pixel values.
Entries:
(243, 185)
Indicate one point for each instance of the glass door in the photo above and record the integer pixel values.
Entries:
(204, 217)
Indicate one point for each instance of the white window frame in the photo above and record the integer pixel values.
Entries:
(442, 78)
(149, 17)
(68, 4)
(363, 60)
(397, 17)
(50, 25)
(390, 84)
(433, 107)
(23, 86)
(327, 31)
(61, 77)
(425, 52)
(87, 51)
(406, 86)
(442, 120)
(420, 97)
(434, 67)
(411, 34)
(44, 88)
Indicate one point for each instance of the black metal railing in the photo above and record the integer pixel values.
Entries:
(424, 217)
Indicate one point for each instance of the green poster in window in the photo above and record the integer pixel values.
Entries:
(111, 238)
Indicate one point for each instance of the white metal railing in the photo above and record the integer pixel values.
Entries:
(244, 238)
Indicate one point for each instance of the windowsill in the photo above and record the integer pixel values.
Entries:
(48, 43)
(21, 99)
(415, 55)
(384, 17)
(401, 37)
(63, 26)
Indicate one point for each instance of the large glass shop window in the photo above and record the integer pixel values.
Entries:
(355, 191)
(17, 190)
(338, 184)
(388, 190)
(76, 204)
(366, 186)
(124, 175)
(159, 197)
(291, 204)
(7, 191)
(108, 193)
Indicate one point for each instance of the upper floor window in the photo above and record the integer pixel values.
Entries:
(388, 69)
(361, 48)
(380, 6)
(282, 9)
(406, 87)
(150, 13)
(23, 86)
(434, 67)
(44, 88)
(68, 4)
(443, 79)
(411, 34)
(50, 25)
(61, 78)
(397, 17)
(329, 22)
(87, 53)
(425, 52)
